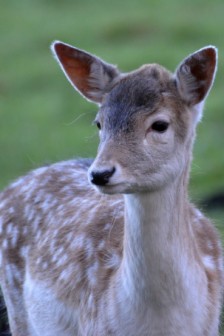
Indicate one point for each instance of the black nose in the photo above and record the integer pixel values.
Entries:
(101, 177)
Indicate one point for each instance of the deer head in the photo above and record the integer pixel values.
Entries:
(146, 118)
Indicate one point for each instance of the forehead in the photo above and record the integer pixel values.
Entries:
(137, 92)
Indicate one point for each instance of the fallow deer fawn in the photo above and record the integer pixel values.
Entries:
(80, 259)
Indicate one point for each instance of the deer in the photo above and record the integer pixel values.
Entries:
(113, 245)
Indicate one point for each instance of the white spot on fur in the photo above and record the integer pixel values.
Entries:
(15, 235)
(89, 248)
(36, 222)
(114, 261)
(16, 272)
(92, 273)
(5, 244)
(39, 171)
(198, 214)
(38, 234)
(9, 275)
(220, 264)
(24, 251)
(208, 262)
(27, 210)
(58, 254)
(62, 260)
(67, 273)
(79, 242)
(27, 188)
(9, 229)
(90, 301)
(45, 265)
(210, 245)
(52, 247)
(3, 204)
(12, 273)
(25, 230)
(17, 183)
(39, 261)
(47, 203)
(70, 237)
(101, 245)
(1, 225)
(107, 227)
(11, 210)
(31, 215)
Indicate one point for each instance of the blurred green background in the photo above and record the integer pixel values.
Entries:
(44, 120)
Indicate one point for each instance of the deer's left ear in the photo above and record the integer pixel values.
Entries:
(195, 75)
(88, 74)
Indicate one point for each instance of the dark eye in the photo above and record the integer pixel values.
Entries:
(160, 126)
(98, 124)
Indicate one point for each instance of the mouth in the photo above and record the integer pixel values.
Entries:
(116, 188)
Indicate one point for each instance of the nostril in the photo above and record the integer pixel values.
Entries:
(101, 177)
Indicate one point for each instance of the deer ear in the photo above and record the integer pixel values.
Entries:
(87, 73)
(195, 75)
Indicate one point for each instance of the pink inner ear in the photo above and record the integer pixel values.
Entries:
(76, 64)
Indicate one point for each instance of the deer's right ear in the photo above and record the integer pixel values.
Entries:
(87, 73)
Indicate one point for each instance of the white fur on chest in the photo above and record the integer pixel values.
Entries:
(47, 315)
(157, 321)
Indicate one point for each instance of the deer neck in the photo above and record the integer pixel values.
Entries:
(157, 236)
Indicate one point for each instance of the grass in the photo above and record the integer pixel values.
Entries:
(44, 120)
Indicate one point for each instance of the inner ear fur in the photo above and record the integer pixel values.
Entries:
(88, 74)
(195, 75)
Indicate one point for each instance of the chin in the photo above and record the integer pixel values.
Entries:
(112, 189)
